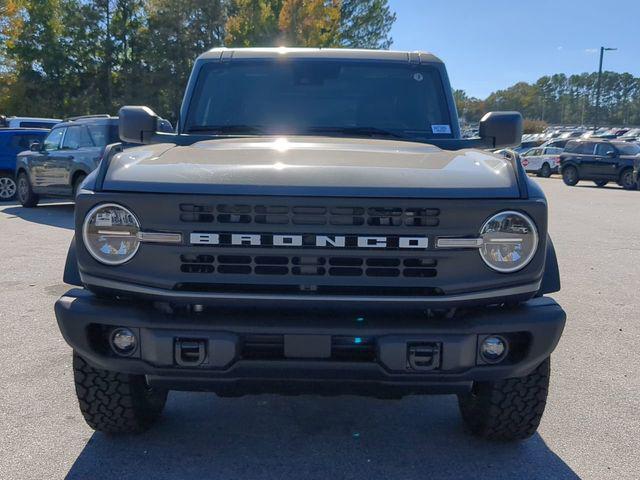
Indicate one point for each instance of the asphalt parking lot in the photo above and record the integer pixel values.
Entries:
(590, 429)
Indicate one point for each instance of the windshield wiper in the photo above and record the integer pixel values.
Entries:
(227, 129)
(356, 131)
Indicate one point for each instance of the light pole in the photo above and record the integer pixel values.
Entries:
(602, 50)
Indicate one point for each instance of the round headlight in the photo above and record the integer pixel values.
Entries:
(110, 233)
(509, 241)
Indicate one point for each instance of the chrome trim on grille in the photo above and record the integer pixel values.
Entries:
(159, 237)
(444, 242)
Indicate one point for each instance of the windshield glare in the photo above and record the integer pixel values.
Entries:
(307, 97)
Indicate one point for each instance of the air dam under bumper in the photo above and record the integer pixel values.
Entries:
(312, 350)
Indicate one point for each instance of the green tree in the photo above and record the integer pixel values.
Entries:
(310, 23)
(175, 34)
(366, 24)
(35, 52)
(470, 109)
(253, 23)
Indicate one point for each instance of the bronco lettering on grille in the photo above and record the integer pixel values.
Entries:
(308, 240)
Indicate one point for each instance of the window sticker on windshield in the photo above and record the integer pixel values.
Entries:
(418, 77)
(103, 220)
(442, 129)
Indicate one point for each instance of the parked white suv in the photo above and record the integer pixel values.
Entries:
(542, 161)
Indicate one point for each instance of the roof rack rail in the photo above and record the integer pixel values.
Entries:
(80, 117)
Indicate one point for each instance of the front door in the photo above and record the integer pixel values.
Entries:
(606, 162)
(585, 158)
(76, 144)
(39, 162)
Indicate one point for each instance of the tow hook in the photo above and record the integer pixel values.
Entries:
(423, 356)
(190, 352)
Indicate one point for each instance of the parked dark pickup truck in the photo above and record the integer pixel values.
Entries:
(315, 225)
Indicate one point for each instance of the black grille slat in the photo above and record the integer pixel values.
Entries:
(270, 270)
(308, 270)
(272, 260)
(233, 259)
(196, 217)
(382, 272)
(345, 271)
(419, 272)
(283, 265)
(196, 268)
(341, 215)
(345, 261)
(235, 269)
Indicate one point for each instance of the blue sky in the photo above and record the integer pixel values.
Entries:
(492, 44)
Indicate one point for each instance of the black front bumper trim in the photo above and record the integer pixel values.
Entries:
(215, 337)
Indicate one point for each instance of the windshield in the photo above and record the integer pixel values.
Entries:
(352, 98)
(627, 148)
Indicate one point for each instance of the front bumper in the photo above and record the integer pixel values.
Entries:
(310, 350)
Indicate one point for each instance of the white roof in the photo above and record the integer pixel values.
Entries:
(338, 53)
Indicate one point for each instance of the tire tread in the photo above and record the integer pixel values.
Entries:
(509, 409)
(113, 402)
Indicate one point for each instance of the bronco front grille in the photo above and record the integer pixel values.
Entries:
(315, 266)
(385, 216)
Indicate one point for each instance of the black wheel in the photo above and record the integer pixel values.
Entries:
(508, 409)
(600, 183)
(25, 193)
(8, 187)
(626, 180)
(570, 176)
(545, 171)
(77, 182)
(114, 402)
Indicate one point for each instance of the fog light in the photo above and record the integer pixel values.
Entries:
(123, 341)
(493, 349)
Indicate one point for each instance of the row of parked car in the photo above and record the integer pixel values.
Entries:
(50, 157)
(565, 133)
(598, 158)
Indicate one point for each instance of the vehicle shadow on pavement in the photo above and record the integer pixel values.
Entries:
(268, 437)
(55, 215)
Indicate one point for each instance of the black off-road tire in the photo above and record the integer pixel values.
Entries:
(626, 180)
(545, 171)
(507, 410)
(570, 176)
(26, 197)
(600, 183)
(114, 402)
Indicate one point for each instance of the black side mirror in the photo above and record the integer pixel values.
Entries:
(165, 126)
(501, 129)
(611, 153)
(35, 146)
(137, 124)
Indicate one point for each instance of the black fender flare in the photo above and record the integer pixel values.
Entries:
(551, 277)
(71, 272)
